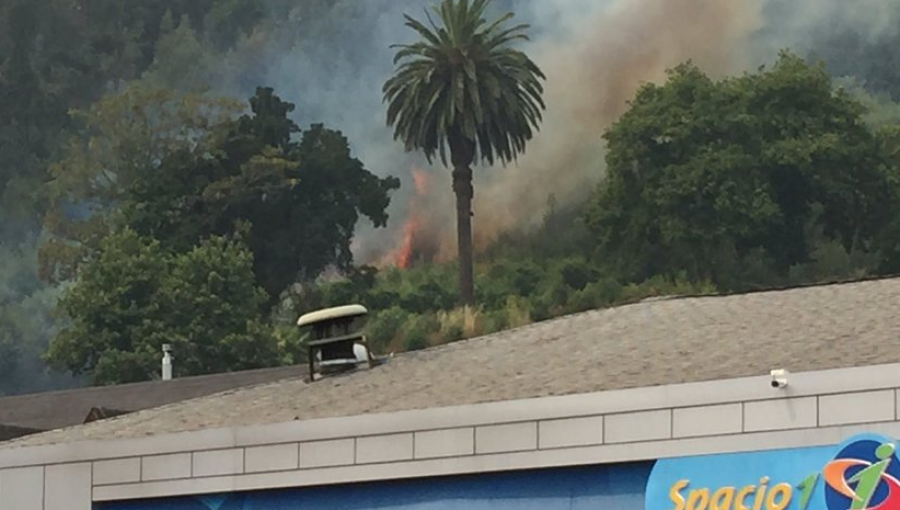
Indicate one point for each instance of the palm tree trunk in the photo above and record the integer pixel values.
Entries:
(462, 187)
(462, 153)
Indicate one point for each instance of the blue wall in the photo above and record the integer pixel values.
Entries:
(610, 487)
(817, 478)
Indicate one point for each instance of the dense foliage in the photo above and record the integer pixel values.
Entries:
(144, 200)
(111, 62)
(123, 139)
(738, 181)
(768, 179)
(416, 308)
(298, 200)
(133, 296)
(165, 176)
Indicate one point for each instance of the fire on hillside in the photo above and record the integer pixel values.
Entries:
(424, 230)
(421, 239)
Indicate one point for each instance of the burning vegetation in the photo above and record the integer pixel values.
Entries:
(422, 238)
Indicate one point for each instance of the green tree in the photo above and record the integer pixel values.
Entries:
(57, 56)
(889, 240)
(880, 109)
(30, 120)
(134, 296)
(124, 137)
(179, 61)
(704, 174)
(297, 200)
(217, 307)
(229, 19)
(117, 321)
(463, 85)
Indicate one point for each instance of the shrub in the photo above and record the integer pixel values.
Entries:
(493, 322)
(577, 274)
(508, 278)
(660, 286)
(831, 261)
(415, 341)
(380, 299)
(457, 324)
(595, 295)
(415, 308)
(418, 332)
(385, 326)
(518, 312)
(453, 333)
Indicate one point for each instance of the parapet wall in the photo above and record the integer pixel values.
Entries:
(817, 408)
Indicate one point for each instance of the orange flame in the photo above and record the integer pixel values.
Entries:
(422, 236)
(413, 223)
(405, 251)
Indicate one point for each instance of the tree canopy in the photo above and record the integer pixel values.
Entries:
(133, 296)
(297, 201)
(192, 225)
(178, 169)
(703, 174)
(465, 81)
(123, 137)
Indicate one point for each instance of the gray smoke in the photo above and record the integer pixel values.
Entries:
(856, 38)
(595, 53)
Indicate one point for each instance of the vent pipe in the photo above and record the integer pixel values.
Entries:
(336, 345)
(167, 362)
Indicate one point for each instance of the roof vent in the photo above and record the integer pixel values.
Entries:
(335, 345)
(167, 362)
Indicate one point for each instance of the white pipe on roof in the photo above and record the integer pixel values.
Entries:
(167, 363)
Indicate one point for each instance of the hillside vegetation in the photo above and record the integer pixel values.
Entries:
(156, 187)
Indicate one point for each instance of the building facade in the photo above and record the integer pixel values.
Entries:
(623, 450)
(667, 405)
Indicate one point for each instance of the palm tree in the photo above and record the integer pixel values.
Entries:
(464, 86)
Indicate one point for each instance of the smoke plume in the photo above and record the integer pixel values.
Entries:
(592, 73)
(595, 54)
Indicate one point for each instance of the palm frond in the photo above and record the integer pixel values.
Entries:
(465, 76)
(489, 30)
(428, 35)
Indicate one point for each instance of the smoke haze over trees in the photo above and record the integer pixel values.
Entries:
(329, 60)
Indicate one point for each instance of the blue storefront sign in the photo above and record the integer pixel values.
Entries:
(863, 473)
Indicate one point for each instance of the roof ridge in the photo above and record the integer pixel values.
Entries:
(600, 350)
(708, 295)
(643, 301)
(777, 288)
(152, 382)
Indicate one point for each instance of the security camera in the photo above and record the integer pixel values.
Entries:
(167, 347)
(779, 378)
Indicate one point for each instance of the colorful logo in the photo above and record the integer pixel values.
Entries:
(863, 474)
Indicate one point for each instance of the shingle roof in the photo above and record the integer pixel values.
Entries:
(58, 409)
(11, 432)
(647, 344)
